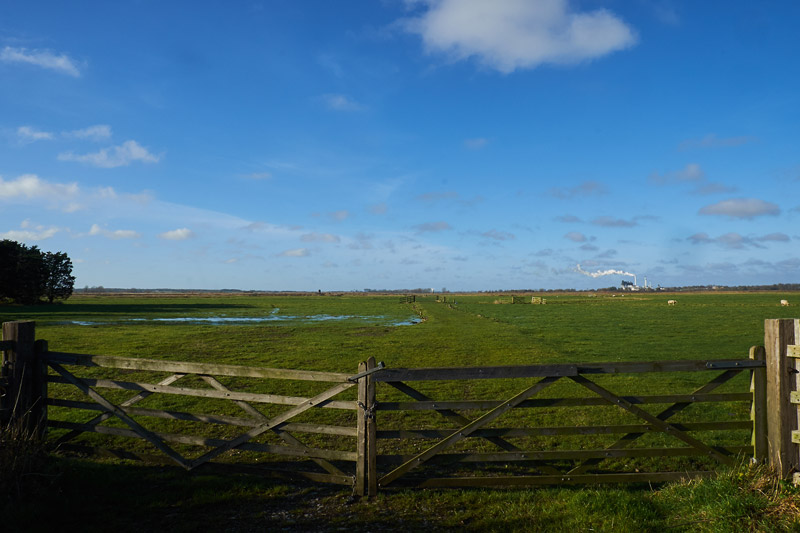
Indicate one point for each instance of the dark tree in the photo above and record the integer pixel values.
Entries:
(59, 280)
(27, 274)
(21, 272)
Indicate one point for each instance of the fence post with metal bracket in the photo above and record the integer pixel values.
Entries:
(366, 483)
(782, 385)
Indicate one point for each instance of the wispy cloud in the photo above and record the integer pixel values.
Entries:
(30, 232)
(379, 209)
(319, 237)
(744, 208)
(477, 143)
(691, 173)
(29, 134)
(498, 235)
(258, 176)
(180, 234)
(297, 252)
(114, 234)
(737, 241)
(575, 236)
(115, 156)
(432, 227)
(41, 58)
(712, 141)
(587, 188)
(31, 186)
(506, 35)
(341, 102)
(97, 132)
(436, 196)
(339, 216)
(611, 222)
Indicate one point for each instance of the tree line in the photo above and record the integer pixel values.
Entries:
(29, 275)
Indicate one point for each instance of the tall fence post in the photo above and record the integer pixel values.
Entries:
(782, 381)
(24, 378)
(366, 462)
(758, 407)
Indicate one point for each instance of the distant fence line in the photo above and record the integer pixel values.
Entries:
(471, 451)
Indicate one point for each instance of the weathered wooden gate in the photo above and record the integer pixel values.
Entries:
(255, 413)
(521, 446)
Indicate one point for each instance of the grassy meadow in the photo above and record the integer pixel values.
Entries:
(335, 332)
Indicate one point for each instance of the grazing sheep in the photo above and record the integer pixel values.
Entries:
(671, 302)
(785, 303)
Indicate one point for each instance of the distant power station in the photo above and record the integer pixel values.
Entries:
(633, 287)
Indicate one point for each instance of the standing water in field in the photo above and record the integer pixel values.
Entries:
(273, 317)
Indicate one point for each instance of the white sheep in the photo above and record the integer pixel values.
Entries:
(785, 303)
(671, 302)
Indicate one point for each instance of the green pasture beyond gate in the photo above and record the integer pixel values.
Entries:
(335, 332)
(466, 330)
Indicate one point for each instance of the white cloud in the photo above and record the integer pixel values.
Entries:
(746, 208)
(432, 227)
(180, 234)
(498, 235)
(297, 252)
(30, 186)
(319, 237)
(41, 58)
(611, 222)
(692, 172)
(515, 34)
(26, 133)
(341, 102)
(116, 234)
(775, 237)
(97, 132)
(29, 232)
(575, 236)
(115, 156)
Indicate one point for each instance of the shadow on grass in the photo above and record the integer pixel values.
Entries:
(87, 495)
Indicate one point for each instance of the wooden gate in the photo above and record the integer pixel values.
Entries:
(476, 451)
(396, 427)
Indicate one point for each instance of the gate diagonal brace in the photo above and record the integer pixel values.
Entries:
(463, 421)
(152, 438)
(99, 419)
(273, 422)
(284, 435)
(644, 415)
(465, 431)
(673, 409)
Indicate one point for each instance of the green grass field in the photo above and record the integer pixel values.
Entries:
(334, 333)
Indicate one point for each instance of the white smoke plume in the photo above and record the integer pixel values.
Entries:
(604, 273)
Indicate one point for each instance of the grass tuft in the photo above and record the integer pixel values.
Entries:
(24, 465)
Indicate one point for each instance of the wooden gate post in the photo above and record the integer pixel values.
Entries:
(782, 381)
(24, 378)
(366, 462)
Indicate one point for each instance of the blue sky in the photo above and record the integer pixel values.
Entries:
(466, 144)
